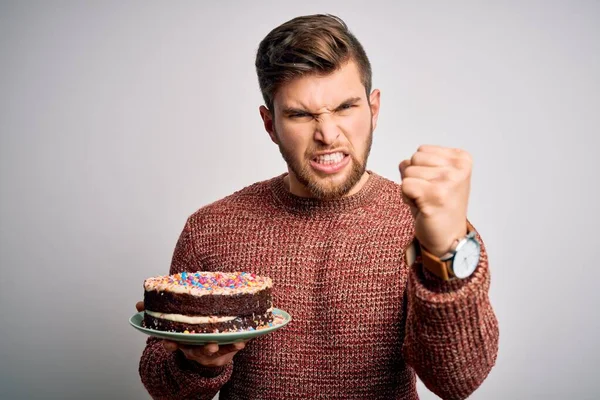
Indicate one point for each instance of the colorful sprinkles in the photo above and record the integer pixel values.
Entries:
(208, 282)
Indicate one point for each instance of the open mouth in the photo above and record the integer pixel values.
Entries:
(330, 163)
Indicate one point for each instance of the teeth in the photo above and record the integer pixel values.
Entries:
(333, 158)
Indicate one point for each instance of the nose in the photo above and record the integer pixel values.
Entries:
(327, 131)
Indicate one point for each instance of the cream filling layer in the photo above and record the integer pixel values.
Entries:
(190, 319)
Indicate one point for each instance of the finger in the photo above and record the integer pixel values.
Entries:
(232, 348)
(402, 167)
(169, 346)
(427, 173)
(239, 345)
(189, 352)
(440, 150)
(429, 160)
(208, 350)
(139, 306)
(194, 352)
(415, 188)
(456, 157)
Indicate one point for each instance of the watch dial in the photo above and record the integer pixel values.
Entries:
(466, 259)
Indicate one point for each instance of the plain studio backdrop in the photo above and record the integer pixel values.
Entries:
(120, 119)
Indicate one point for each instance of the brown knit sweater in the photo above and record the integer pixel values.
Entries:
(364, 322)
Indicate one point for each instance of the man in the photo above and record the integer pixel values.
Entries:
(383, 281)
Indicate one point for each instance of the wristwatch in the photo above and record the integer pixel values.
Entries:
(459, 262)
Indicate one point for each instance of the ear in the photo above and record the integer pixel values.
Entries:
(374, 99)
(267, 118)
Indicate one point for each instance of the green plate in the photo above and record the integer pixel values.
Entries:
(282, 318)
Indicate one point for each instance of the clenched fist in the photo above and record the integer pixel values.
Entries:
(436, 182)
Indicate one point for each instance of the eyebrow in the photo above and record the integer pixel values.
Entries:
(293, 110)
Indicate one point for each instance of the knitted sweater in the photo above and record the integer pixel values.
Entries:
(363, 321)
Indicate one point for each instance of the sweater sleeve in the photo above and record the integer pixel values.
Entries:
(168, 375)
(451, 331)
(172, 376)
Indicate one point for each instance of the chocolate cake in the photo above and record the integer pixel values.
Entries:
(207, 302)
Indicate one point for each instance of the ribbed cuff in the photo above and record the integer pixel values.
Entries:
(429, 291)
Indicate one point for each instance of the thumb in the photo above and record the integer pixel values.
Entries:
(402, 167)
(169, 345)
(414, 210)
(139, 306)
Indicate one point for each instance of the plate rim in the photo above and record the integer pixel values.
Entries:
(199, 338)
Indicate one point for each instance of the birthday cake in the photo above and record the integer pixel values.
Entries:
(207, 302)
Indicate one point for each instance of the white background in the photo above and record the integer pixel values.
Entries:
(120, 119)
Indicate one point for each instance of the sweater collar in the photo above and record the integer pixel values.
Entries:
(307, 205)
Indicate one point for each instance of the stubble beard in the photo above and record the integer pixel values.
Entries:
(324, 188)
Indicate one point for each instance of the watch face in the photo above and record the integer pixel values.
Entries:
(466, 259)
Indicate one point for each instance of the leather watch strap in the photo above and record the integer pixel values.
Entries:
(441, 269)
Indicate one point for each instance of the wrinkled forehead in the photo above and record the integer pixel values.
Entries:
(318, 92)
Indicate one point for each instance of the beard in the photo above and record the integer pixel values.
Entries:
(327, 188)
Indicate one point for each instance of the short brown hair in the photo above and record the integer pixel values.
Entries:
(312, 44)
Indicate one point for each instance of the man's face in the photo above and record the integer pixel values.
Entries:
(324, 127)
